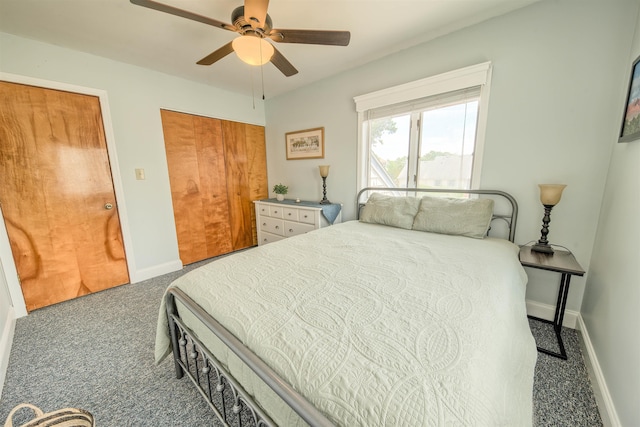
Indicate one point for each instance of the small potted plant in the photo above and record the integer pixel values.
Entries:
(280, 191)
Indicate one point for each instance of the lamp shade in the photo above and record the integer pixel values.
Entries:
(324, 171)
(550, 193)
(252, 50)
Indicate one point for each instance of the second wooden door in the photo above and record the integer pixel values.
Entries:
(216, 169)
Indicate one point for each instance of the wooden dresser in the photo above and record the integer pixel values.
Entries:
(279, 220)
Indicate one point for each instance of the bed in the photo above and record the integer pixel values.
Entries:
(410, 315)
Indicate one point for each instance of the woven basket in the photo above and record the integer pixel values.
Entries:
(68, 417)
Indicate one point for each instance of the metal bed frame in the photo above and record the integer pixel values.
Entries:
(231, 404)
(229, 401)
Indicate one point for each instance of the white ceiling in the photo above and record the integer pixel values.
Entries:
(119, 30)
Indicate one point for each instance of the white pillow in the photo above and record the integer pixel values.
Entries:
(462, 217)
(389, 210)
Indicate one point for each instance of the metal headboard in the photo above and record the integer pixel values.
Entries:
(509, 218)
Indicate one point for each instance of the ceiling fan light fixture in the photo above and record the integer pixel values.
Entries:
(254, 26)
(253, 50)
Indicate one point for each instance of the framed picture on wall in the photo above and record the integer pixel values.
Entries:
(631, 121)
(305, 144)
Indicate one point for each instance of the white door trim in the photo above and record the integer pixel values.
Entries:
(6, 256)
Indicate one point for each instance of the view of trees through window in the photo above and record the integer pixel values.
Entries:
(437, 152)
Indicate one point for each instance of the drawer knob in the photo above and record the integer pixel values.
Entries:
(291, 230)
(264, 224)
(277, 227)
(306, 216)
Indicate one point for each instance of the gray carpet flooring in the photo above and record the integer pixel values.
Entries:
(96, 353)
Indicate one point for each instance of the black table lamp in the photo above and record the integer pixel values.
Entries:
(324, 173)
(549, 196)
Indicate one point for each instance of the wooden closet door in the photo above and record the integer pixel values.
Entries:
(195, 157)
(57, 194)
(237, 165)
(257, 162)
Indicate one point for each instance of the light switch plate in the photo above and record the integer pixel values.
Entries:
(139, 174)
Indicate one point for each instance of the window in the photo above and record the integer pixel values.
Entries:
(425, 134)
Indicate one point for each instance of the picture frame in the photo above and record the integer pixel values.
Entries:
(630, 129)
(305, 144)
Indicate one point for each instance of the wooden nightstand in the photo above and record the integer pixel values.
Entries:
(562, 262)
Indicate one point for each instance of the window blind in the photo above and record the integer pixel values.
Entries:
(426, 103)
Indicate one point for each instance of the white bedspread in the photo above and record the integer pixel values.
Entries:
(380, 326)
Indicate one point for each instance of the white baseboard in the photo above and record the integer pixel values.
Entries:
(603, 397)
(547, 312)
(6, 339)
(155, 271)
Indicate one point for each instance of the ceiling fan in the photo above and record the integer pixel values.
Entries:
(254, 25)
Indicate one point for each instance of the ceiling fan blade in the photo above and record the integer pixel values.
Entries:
(282, 64)
(183, 13)
(334, 38)
(255, 12)
(217, 55)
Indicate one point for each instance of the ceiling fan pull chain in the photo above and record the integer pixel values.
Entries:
(262, 76)
(253, 92)
(262, 72)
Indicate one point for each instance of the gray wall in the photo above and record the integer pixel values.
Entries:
(611, 303)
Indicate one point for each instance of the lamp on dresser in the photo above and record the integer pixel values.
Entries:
(324, 173)
(549, 196)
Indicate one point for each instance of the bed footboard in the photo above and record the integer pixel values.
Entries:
(221, 391)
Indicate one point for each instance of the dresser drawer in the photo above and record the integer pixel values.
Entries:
(264, 238)
(290, 214)
(275, 211)
(307, 215)
(272, 225)
(295, 228)
(262, 209)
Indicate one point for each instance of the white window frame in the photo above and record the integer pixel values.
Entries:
(463, 78)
